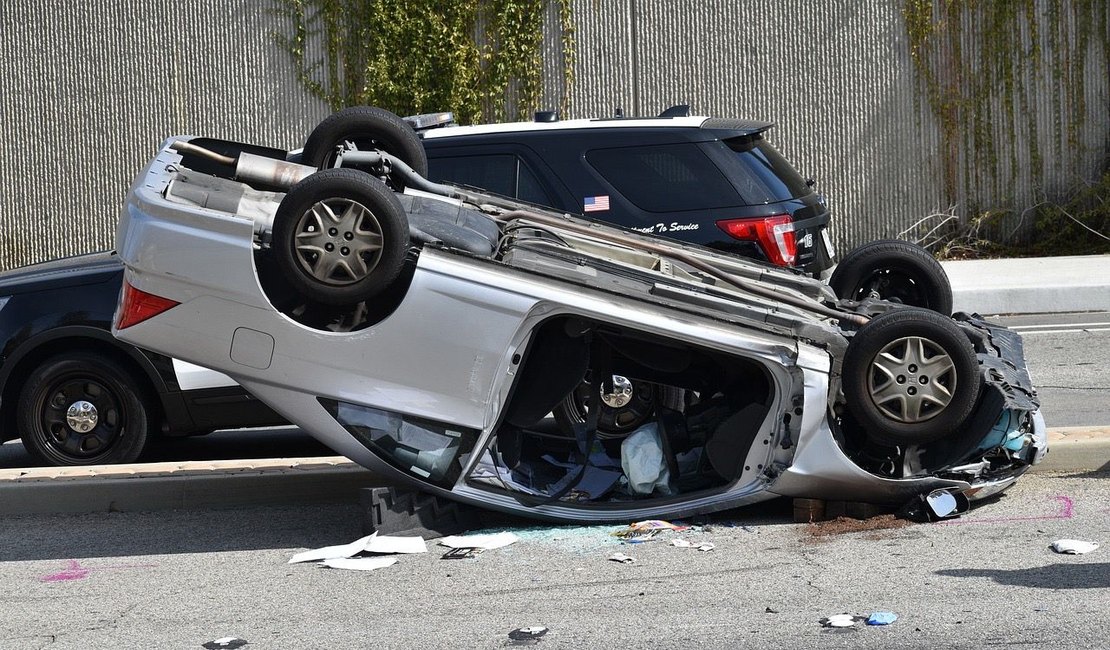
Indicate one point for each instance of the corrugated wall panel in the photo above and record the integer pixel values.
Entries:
(88, 90)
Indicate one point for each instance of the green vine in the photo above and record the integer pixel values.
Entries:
(980, 64)
(481, 59)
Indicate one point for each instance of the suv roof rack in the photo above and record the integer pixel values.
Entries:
(426, 121)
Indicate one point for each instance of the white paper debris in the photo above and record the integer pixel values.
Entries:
(484, 542)
(704, 546)
(372, 543)
(360, 563)
(332, 552)
(1073, 546)
(387, 544)
(840, 620)
(622, 558)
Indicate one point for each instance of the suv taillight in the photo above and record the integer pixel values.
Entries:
(775, 235)
(137, 306)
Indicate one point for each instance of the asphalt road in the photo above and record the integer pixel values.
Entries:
(181, 579)
(1069, 359)
(1068, 356)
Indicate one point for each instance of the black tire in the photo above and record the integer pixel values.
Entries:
(345, 210)
(369, 128)
(910, 377)
(617, 422)
(893, 270)
(52, 422)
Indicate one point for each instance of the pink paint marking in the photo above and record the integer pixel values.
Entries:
(1066, 512)
(77, 572)
(73, 572)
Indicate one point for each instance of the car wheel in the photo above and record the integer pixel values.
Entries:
(910, 377)
(626, 405)
(893, 270)
(340, 237)
(82, 409)
(368, 128)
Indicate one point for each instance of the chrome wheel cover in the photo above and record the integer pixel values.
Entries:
(338, 241)
(912, 379)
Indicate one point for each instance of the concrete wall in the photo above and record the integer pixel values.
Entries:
(89, 89)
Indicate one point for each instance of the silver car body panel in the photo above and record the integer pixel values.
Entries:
(450, 352)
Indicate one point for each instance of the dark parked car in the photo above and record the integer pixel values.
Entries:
(78, 396)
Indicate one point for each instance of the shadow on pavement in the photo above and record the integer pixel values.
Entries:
(1053, 576)
(65, 537)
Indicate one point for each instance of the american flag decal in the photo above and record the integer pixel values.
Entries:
(595, 203)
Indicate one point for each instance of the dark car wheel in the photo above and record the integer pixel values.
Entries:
(893, 270)
(340, 237)
(82, 409)
(910, 377)
(626, 405)
(368, 128)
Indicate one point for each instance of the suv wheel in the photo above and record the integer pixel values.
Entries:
(893, 270)
(82, 409)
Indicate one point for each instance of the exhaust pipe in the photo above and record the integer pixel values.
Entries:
(251, 168)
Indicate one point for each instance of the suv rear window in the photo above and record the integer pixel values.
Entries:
(503, 174)
(665, 178)
(763, 175)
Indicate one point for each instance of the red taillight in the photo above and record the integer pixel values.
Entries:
(137, 306)
(775, 235)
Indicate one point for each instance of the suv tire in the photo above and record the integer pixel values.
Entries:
(893, 270)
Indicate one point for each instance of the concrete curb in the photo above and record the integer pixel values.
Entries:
(1034, 285)
(301, 481)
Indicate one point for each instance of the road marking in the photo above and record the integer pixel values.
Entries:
(1063, 331)
(1059, 328)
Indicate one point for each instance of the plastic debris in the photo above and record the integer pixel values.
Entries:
(645, 530)
(228, 642)
(681, 543)
(461, 554)
(622, 558)
(483, 542)
(1073, 546)
(360, 563)
(882, 618)
(532, 633)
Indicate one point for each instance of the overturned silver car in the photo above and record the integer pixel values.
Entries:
(428, 331)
